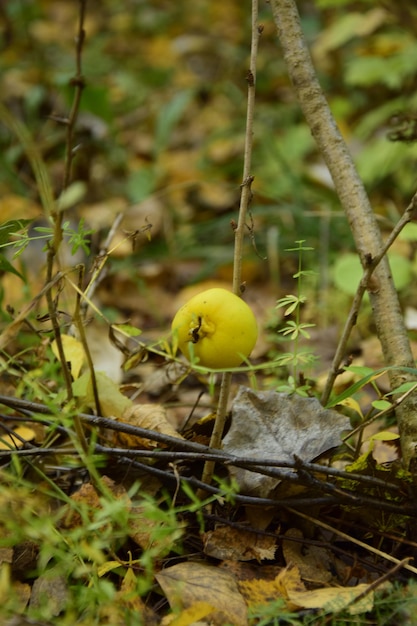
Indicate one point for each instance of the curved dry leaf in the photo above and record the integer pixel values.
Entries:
(335, 599)
(112, 401)
(149, 416)
(186, 584)
(313, 561)
(88, 496)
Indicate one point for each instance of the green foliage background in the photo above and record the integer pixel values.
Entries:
(164, 111)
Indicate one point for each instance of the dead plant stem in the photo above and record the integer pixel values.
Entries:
(57, 215)
(247, 178)
(245, 198)
(100, 261)
(79, 322)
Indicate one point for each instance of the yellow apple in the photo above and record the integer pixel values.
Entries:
(216, 328)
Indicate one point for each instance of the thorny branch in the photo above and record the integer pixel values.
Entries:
(58, 215)
(239, 231)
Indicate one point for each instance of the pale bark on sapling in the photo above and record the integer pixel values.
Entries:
(386, 309)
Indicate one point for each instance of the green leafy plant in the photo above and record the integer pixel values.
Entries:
(295, 329)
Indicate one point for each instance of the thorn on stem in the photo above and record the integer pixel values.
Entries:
(250, 78)
(58, 119)
(78, 81)
(247, 181)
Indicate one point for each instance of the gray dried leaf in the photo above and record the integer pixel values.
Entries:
(271, 425)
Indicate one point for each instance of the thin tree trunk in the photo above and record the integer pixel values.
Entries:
(350, 189)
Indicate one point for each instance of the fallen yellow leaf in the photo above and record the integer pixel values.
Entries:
(12, 441)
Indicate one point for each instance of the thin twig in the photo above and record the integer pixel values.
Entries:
(81, 333)
(78, 82)
(303, 473)
(379, 581)
(58, 215)
(10, 332)
(361, 544)
(100, 263)
(239, 231)
(53, 315)
(217, 434)
(247, 178)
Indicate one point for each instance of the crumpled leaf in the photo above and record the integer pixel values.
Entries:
(271, 425)
(186, 584)
(235, 544)
(149, 416)
(51, 592)
(88, 497)
(313, 562)
(259, 591)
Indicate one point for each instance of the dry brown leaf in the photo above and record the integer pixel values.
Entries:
(6, 555)
(87, 495)
(313, 563)
(50, 589)
(278, 426)
(149, 416)
(260, 591)
(260, 518)
(148, 533)
(186, 584)
(250, 570)
(227, 543)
